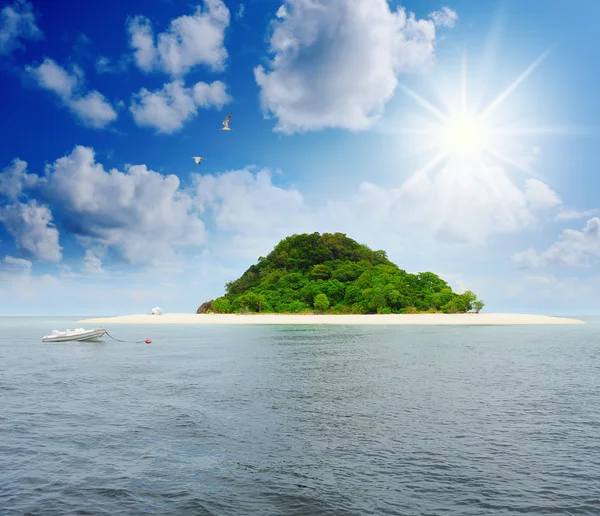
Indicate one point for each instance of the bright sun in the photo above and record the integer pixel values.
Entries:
(471, 135)
(464, 135)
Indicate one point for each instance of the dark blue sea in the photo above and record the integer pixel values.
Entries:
(315, 420)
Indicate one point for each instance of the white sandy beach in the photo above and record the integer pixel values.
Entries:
(392, 319)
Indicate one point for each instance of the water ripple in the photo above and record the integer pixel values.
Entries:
(301, 420)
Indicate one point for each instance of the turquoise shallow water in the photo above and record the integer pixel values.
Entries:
(312, 420)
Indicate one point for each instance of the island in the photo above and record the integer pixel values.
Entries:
(331, 279)
(333, 274)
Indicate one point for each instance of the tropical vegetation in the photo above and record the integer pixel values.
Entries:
(331, 273)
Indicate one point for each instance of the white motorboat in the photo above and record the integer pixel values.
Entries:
(78, 334)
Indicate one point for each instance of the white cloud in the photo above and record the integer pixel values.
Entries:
(249, 203)
(452, 205)
(530, 158)
(15, 179)
(169, 108)
(21, 285)
(140, 214)
(103, 65)
(92, 262)
(281, 12)
(142, 40)
(31, 226)
(17, 22)
(106, 65)
(114, 292)
(445, 17)
(539, 194)
(18, 263)
(569, 214)
(190, 41)
(573, 248)
(548, 288)
(349, 52)
(55, 78)
(250, 212)
(462, 204)
(146, 217)
(211, 95)
(92, 108)
(460, 287)
(240, 12)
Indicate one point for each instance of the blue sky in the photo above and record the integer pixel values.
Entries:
(340, 110)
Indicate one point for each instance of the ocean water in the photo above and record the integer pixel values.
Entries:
(314, 420)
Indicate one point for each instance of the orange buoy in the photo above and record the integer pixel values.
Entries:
(148, 341)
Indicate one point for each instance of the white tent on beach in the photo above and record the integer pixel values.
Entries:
(157, 310)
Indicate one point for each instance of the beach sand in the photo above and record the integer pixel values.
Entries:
(391, 319)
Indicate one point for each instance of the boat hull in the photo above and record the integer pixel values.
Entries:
(89, 335)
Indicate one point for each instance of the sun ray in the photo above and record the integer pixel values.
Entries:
(409, 130)
(501, 157)
(453, 131)
(549, 129)
(427, 148)
(463, 84)
(491, 180)
(422, 172)
(426, 104)
(506, 93)
(491, 49)
(434, 162)
(421, 144)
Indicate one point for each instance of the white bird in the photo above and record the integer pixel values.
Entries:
(198, 160)
(226, 123)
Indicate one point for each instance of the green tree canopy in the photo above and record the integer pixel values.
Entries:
(332, 273)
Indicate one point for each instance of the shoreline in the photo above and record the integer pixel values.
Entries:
(467, 319)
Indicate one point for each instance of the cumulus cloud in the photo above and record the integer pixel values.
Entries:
(31, 226)
(539, 194)
(15, 179)
(170, 107)
(140, 214)
(335, 63)
(445, 17)
(142, 41)
(146, 217)
(247, 202)
(573, 248)
(54, 77)
(106, 65)
(17, 23)
(570, 214)
(549, 290)
(467, 203)
(453, 205)
(530, 158)
(190, 40)
(250, 209)
(240, 12)
(18, 263)
(91, 108)
(92, 263)
(21, 288)
(103, 65)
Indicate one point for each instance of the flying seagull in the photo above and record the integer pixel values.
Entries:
(226, 123)
(198, 160)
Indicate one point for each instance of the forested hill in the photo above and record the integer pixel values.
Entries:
(331, 273)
